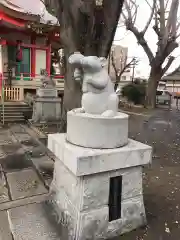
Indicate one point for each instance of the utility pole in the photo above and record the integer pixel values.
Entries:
(133, 68)
(133, 73)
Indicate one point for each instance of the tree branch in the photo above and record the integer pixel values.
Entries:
(150, 17)
(177, 28)
(128, 65)
(120, 72)
(139, 35)
(134, 17)
(128, 9)
(162, 39)
(170, 60)
(172, 19)
(141, 40)
(156, 29)
(162, 55)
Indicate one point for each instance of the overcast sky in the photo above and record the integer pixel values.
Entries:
(127, 39)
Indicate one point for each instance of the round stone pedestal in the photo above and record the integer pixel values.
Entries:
(96, 131)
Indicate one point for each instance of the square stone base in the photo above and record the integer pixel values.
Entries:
(81, 188)
(46, 109)
(47, 92)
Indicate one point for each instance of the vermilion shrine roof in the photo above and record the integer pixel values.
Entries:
(33, 8)
(29, 16)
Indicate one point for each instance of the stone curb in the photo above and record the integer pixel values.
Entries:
(134, 113)
(25, 201)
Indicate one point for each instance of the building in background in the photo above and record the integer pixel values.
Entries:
(120, 55)
(28, 36)
(172, 82)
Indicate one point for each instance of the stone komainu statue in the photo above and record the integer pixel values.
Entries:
(98, 90)
(47, 81)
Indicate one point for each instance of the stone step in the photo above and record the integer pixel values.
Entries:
(15, 108)
(14, 121)
(11, 113)
(31, 222)
(11, 119)
(15, 105)
(14, 112)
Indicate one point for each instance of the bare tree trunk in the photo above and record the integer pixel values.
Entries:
(153, 81)
(72, 92)
(72, 89)
(87, 28)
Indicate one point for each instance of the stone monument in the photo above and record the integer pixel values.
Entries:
(97, 184)
(47, 105)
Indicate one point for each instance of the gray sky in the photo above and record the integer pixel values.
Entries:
(127, 39)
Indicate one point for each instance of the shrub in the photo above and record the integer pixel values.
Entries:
(135, 92)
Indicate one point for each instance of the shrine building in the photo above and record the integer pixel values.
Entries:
(29, 36)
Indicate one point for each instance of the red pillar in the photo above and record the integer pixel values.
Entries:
(48, 60)
(33, 57)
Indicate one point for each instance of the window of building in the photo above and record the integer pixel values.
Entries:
(24, 66)
(123, 78)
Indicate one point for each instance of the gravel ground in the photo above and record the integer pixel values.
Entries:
(162, 179)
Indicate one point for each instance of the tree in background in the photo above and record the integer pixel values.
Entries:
(164, 20)
(121, 65)
(85, 26)
(135, 92)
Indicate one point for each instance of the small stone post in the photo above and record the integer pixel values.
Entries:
(47, 105)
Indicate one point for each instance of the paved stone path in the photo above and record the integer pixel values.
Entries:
(26, 172)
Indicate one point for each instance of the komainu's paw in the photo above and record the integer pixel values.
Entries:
(79, 110)
(109, 113)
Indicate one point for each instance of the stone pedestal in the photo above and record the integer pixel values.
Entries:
(97, 193)
(96, 131)
(47, 92)
(46, 106)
